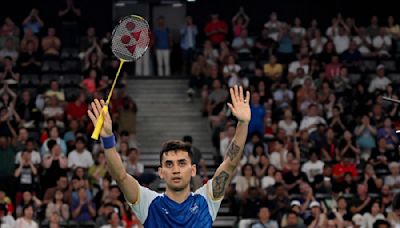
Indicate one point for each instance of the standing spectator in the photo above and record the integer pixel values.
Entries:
(216, 30)
(257, 115)
(54, 164)
(318, 42)
(373, 28)
(382, 43)
(341, 40)
(243, 44)
(83, 211)
(27, 220)
(380, 82)
(33, 22)
(26, 175)
(188, 43)
(239, 22)
(163, 45)
(70, 17)
(29, 36)
(273, 26)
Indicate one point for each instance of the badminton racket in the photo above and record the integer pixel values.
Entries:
(130, 40)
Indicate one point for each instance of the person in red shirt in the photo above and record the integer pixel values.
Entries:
(77, 110)
(346, 165)
(216, 30)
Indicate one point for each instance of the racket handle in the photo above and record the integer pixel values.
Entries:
(99, 124)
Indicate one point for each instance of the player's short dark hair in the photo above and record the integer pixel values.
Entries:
(175, 145)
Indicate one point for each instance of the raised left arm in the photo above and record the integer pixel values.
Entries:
(241, 110)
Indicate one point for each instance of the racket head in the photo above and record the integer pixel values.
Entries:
(130, 38)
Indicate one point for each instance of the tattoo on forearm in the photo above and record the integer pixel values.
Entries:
(219, 184)
(233, 150)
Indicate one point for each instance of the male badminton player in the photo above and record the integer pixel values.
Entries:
(178, 206)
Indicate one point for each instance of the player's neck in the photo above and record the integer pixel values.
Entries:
(178, 196)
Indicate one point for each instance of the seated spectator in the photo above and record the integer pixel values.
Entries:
(30, 149)
(27, 110)
(258, 113)
(285, 45)
(318, 218)
(27, 220)
(28, 199)
(93, 59)
(55, 90)
(230, 69)
(80, 157)
(54, 110)
(216, 30)
(293, 220)
(88, 40)
(71, 133)
(348, 147)
(393, 29)
(388, 133)
(54, 135)
(239, 22)
(83, 210)
(29, 60)
(127, 117)
(26, 175)
(209, 53)
(29, 37)
(318, 42)
(365, 134)
(380, 82)
(363, 41)
(58, 206)
(352, 57)
(115, 195)
(267, 175)
(226, 138)
(33, 22)
(6, 220)
(283, 96)
(245, 181)
(344, 166)
(294, 177)
(77, 109)
(54, 163)
(373, 215)
(278, 155)
(97, 171)
(61, 185)
(255, 138)
(343, 217)
(114, 221)
(382, 43)
(258, 152)
(363, 202)
(341, 40)
(263, 44)
(313, 167)
(9, 30)
(298, 33)
(370, 178)
(243, 44)
(91, 85)
(217, 98)
(9, 50)
(132, 164)
(10, 75)
(273, 70)
(51, 44)
(393, 180)
(332, 70)
(311, 120)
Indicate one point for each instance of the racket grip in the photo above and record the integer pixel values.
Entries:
(99, 124)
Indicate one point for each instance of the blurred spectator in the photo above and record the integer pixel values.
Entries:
(216, 30)
(392, 28)
(77, 110)
(70, 17)
(313, 167)
(263, 44)
(132, 164)
(51, 44)
(332, 70)
(273, 26)
(6, 221)
(243, 44)
(28, 199)
(373, 28)
(333, 30)
(113, 221)
(344, 166)
(298, 33)
(226, 139)
(83, 210)
(55, 90)
(54, 163)
(8, 30)
(363, 202)
(380, 82)
(273, 70)
(188, 33)
(210, 53)
(393, 180)
(294, 177)
(27, 220)
(363, 41)
(33, 22)
(89, 40)
(61, 185)
(341, 40)
(258, 113)
(318, 42)
(240, 22)
(29, 36)
(10, 76)
(365, 134)
(7, 154)
(348, 147)
(382, 43)
(26, 175)
(246, 180)
(127, 117)
(341, 212)
(80, 157)
(9, 50)
(311, 120)
(293, 220)
(388, 133)
(29, 60)
(285, 45)
(373, 215)
(318, 218)
(197, 159)
(98, 171)
(303, 62)
(58, 206)
(54, 135)
(278, 155)
(163, 46)
(231, 69)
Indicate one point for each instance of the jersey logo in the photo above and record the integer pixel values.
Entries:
(165, 210)
(194, 209)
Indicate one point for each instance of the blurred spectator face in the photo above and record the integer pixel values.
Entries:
(51, 32)
(312, 110)
(295, 165)
(80, 146)
(375, 208)
(272, 59)
(327, 170)
(59, 195)
(347, 135)
(133, 155)
(314, 157)
(29, 146)
(91, 32)
(3, 143)
(115, 193)
(342, 204)
(335, 59)
(28, 212)
(255, 98)
(387, 123)
(53, 102)
(292, 219)
(386, 190)
(343, 72)
(26, 97)
(114, 221)
(27, 196)
(247, 171)
(56, 150)
(54, 86)
(362, 189)
(278, 176)
(80, 172)
(30, 48)
(230, 132)
(297, 22)
(273, 16)
(264, 214)
(54, 133)
(316, 210)
(9, 44)
(82, 194)
(317, 33)
(231, 60)
(161, 21)
(26, 156)
(394, 168)
(189, 20)
(216, 84)
(214, 17)
(381, 72)
(374, 20)
(62, 182)
(244, 33)
(23, 134)
(55, 218)
(300, 72)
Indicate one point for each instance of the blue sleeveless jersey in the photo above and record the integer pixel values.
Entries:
(157, 210)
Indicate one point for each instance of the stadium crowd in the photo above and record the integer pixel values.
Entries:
(322, 149)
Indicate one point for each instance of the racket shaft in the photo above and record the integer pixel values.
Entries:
(99, 124)
(391, 99)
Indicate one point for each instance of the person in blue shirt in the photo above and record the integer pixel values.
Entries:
(257, 115)
(162, 44)
(33, 22)
(177, 206)
(188, 43)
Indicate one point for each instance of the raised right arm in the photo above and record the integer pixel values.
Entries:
(129, 186)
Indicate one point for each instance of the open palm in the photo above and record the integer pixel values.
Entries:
(240, 105)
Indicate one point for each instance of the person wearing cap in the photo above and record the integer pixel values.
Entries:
(318, 218)
(296, 207)
(380, 81)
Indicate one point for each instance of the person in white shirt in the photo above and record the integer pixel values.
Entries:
(278, 155)
(243, 44)
(311, 120)
(382, 43)
(80, 157)
(363, 41)
(393, 180)
(283, 96)
(333, 30)
(132, 164)
(380, 81)
(26, 221)
(273, 26)
(318, 42)
(226, 138)
(341, 40)
(29, 147)
(375, 214)
(303, 62)
(297, 32)
(313, 167)
(288, 124)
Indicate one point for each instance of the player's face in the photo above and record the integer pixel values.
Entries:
(176, 170)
